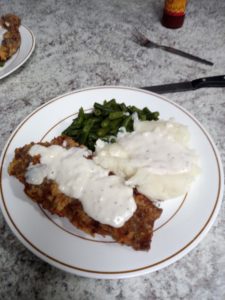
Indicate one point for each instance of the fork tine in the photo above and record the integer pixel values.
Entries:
(136, 32)
(139, 38)
(135, 35)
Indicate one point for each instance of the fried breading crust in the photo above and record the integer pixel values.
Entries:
(11, 38)
(10, 21)
(136, 232)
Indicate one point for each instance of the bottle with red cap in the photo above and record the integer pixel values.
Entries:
(174, 13)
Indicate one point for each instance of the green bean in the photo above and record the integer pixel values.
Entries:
(114, 131)
(93, 136)
(147, 112)
(155, 115)
(102, 131)
(134, 109)
(105, 123)
(116, 124)
(83, 138)
(123, 107)
(97, 112)
(74, 132)
(77, 123)
(110, 103)
(142, 117)
(103, 108)
(127, 121)
(85, 131)
(116, 115)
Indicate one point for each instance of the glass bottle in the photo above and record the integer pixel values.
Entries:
(174, 13)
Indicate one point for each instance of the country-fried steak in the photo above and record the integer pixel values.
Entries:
(136, 232)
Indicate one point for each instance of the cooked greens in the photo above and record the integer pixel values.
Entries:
(104, 122)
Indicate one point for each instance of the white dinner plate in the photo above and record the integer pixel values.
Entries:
(182, 225)
(23, 53)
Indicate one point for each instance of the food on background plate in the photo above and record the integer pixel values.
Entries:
(131, 213)
(11, 38)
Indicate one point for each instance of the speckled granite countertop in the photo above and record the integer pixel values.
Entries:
(88, 43)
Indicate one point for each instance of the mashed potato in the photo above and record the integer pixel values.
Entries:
(155, 158)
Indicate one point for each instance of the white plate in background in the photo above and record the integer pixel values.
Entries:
(23, 53)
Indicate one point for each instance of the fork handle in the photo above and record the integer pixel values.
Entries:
(186, 55)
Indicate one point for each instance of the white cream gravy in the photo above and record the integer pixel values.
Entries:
(104, 198)
(154, 158)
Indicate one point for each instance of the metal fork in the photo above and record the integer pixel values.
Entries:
(142, 40)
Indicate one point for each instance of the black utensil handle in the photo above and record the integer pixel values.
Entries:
(215, 81)
(186, 55)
